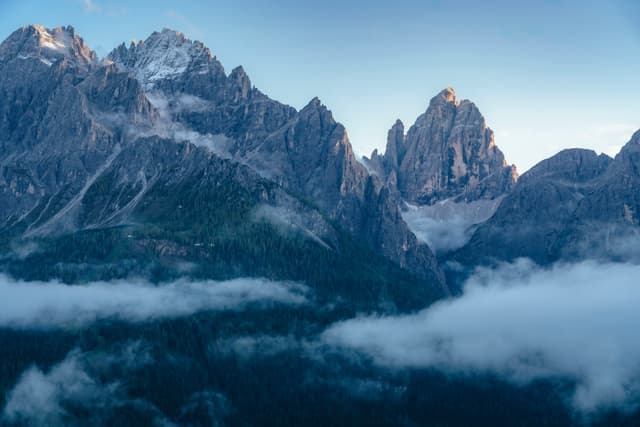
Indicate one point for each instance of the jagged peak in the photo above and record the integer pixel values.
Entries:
(633, 146)
(315, 105)
(47, 45)
(315, 102)
(239, 73)
(315, 108)
(446, 95)
(165, 54)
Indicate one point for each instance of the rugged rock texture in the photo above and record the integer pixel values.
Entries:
(575, 205)
(307, 152)
(606, 223)
(51, 142)
(448, 152)
(72, 122)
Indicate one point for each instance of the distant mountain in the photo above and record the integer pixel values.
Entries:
(575, 205)
(448, 153)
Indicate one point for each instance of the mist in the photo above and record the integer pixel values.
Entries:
(98, 383)
(54, 304)
(575, 322)
(448, 225)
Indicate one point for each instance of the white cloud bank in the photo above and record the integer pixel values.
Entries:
(54, 304)
(576, 321)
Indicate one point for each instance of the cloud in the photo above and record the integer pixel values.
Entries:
(54, 304)
(289, 219)
(248, 347)
(90, 6)
(93, 388)
(49, 398)
(448, 225)
(167, 127)
(108, 9)
(577, 322)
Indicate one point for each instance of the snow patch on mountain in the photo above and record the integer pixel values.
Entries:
(164, 55)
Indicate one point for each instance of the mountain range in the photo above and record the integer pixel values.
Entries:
(155, 162)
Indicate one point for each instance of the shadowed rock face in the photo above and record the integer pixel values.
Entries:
(532, 216)
(574, 205)
(448, 152)
(306, 152)
(71, 121)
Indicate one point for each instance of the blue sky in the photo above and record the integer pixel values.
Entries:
(546, 75)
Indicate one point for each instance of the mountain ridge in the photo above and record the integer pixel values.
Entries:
(305, 152)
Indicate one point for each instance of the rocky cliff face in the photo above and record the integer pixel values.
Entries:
(306, 152)
(575, 205)
(73, 121)
(448, 152)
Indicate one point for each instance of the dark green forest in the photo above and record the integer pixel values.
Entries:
(253, 367)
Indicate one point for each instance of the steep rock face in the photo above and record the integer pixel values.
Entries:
(606, 223)
(306, 152)
(46, 46)
(448, 152)
(51, 141)
(77, 124)
(189, 85)
(553, 207)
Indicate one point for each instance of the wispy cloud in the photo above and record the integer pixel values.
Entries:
(54, 304)
(108, 8)
(96, 383)
(90, 6)
(577, 322)
(44, 398)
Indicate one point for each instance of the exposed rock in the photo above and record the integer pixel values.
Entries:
(78, 124)
(448, 152)
(559, 209)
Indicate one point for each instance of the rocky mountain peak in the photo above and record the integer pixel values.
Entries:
(239, 84)
(315, 108)
(448, 152)
(47, 46)
(446, 95)
(167, 54)
(171, 88)
(314, 103)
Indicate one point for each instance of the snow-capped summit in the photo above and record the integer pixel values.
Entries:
(165, 55)
(47, 45)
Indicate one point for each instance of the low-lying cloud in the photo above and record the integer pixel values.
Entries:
(93, 388)
(55, 304)
(578, 322)
(45, 398)
(448, 225)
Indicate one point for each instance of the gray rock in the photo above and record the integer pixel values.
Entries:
(574, 205)
(448, 152)
(135, 121)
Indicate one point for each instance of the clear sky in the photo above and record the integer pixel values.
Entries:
(546, 74)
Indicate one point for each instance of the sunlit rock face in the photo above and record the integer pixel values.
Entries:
(47, 46)
(446, 162)
(448, 152)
